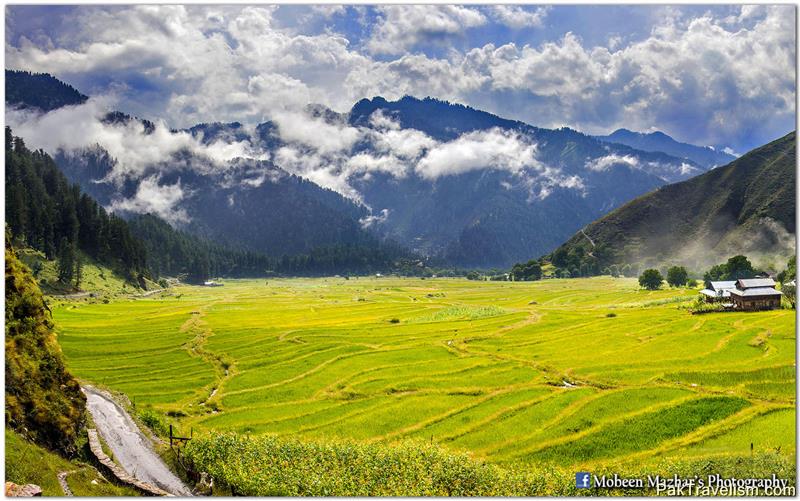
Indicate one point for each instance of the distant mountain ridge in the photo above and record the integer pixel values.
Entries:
(489, 217)
(39, 91)
(658, 141)
(746, 207)
(483, 216)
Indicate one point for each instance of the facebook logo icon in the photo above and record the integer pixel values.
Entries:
(583, 480)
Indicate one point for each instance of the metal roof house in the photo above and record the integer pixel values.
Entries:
(755, 294)
(719, 291)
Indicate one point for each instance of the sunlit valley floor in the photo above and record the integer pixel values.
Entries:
(576, 372)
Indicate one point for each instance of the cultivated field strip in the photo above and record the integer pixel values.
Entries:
(579, 372)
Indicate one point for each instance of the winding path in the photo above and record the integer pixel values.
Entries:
(131, 448)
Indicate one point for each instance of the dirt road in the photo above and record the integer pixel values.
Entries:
(131, 448)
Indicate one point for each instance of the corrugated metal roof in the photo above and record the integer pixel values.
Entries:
(747, 283)
(713, 293)
(757, 291)
(725, 284)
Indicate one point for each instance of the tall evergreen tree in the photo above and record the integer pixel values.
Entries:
(66, 261)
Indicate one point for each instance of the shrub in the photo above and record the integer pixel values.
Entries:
(154, 421)
(701, 306)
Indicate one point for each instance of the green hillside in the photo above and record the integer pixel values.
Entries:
(745, 207)
(42, 398)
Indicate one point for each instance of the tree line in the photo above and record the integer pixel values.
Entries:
(172, 252)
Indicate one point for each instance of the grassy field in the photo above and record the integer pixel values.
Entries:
(578, 373)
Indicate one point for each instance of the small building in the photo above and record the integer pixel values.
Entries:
(719, 291)
(211, 283)
(755, 294)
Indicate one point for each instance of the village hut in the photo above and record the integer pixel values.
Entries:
(755, 294)
(719, 291)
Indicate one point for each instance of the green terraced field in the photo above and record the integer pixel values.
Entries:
(510, 372)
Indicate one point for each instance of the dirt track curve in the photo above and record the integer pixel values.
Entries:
(132, 449)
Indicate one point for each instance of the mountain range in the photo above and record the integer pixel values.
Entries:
(448, 182)
(746, 207)
(706, 156)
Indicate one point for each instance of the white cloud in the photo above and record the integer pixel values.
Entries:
(604, 163)
(78, 127)
(494, 148)
(389, 138)
(300, 127)
(374, 219)
(403, 27)
(732, 75)
(517, 17)
(154, 198)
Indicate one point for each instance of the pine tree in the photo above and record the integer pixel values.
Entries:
(78, 271)
(66, 261)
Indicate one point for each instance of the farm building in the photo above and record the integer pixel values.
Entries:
(719, 291)
(755, 294)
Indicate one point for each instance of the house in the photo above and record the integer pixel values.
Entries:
(755, 294)
(719, 291)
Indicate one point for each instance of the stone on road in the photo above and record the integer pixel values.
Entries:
(132, 450)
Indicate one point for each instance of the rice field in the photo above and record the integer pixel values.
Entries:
(511, 373)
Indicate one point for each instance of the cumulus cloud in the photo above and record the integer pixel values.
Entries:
(518, 17)
(733, 74)
(403, 27)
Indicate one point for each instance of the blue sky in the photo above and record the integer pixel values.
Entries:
(717, 75)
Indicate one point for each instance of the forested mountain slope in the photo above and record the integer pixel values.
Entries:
(46, 212)
(746, 207)
(39, 91)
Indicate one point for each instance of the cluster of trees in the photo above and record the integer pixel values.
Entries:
(735, 268)
(173, 252)
(578, 262)
(677, 276)
(45, 212)
(352, 259)
(177, 253)
(532, 270)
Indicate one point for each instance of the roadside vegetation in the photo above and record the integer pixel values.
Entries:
(28, 463)
(271, 466)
